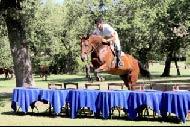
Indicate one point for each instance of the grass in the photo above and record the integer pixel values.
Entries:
(8, 118)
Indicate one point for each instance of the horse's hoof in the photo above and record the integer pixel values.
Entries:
(97, 70)
(98, 79)
(102, 79)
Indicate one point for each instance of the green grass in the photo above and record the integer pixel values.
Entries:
(7, 117)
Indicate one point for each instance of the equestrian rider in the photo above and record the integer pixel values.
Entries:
(109, 36)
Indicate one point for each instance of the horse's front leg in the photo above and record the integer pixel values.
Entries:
(102, 68)
(88, 74)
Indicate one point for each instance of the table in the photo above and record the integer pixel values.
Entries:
(102, 101)
(56, 97)
(109, 99)
(24, 97)
(148, 98)
(82, 98)
(177, 102)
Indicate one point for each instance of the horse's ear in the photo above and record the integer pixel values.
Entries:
(80, 36)
(87, 36)
(83, 37)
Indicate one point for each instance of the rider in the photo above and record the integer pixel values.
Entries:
(109, 35)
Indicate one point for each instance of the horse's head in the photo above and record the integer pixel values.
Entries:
(89, 44)
(86, 48)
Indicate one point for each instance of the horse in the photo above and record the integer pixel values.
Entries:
(7, 71)
(103, 60)
(44, 71)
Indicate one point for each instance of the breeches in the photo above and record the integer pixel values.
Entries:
(117, 45)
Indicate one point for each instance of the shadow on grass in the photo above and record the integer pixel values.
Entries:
(5, 79)
(169, 119)
(4, 97)
(109, 77)
(41, 114)
(81, 79)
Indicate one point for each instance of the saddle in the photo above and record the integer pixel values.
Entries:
(113, 49)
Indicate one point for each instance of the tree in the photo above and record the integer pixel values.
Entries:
(5, 52)
(174, 24)
(14, 15)
(135, 23)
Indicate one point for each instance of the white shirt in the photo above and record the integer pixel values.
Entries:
(107, 32)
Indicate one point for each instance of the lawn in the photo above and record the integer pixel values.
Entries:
(8, 118)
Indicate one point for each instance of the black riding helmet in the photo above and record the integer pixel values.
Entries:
(99, 20)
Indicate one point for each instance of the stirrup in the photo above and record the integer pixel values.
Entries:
(119, 64)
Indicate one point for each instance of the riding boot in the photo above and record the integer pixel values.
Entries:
(119, 62)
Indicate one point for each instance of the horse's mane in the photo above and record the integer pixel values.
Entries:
(95, 39)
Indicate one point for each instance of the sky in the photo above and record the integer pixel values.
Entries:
(56, 1)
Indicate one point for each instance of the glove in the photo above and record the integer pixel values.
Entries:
(104, 40)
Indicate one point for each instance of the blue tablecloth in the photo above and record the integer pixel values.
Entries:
(82, 98)
(111, 98)
(24, 97)
(56, 98)
(149, 98)
(177, 102)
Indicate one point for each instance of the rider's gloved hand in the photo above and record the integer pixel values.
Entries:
(104, 40)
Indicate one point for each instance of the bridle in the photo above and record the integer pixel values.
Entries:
(94, 48)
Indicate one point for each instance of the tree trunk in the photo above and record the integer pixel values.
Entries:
(143, 52)
(166, 72)
(19, 49)
(177, 67)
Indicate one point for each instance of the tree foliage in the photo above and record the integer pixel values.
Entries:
(149, 29)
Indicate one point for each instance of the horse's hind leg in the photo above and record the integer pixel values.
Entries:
(126, 78)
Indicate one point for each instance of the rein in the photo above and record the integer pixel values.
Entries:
(95, 47)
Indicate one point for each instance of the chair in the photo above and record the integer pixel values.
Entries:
(66, 84)
(121, 85)
(137, 86)
(112, 86)
(34, 104)
(181, 87)
(144, 110)
(55, 85)
(87, 85)
(162, 86)
(86, 110)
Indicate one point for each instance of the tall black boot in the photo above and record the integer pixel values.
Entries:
(119, 62)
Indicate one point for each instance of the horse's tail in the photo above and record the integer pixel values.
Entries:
(144, 72)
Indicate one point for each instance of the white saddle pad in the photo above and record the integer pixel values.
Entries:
(122, 53)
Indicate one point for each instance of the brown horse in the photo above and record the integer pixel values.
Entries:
(44, 71)
(7, 71)
(103, 59)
